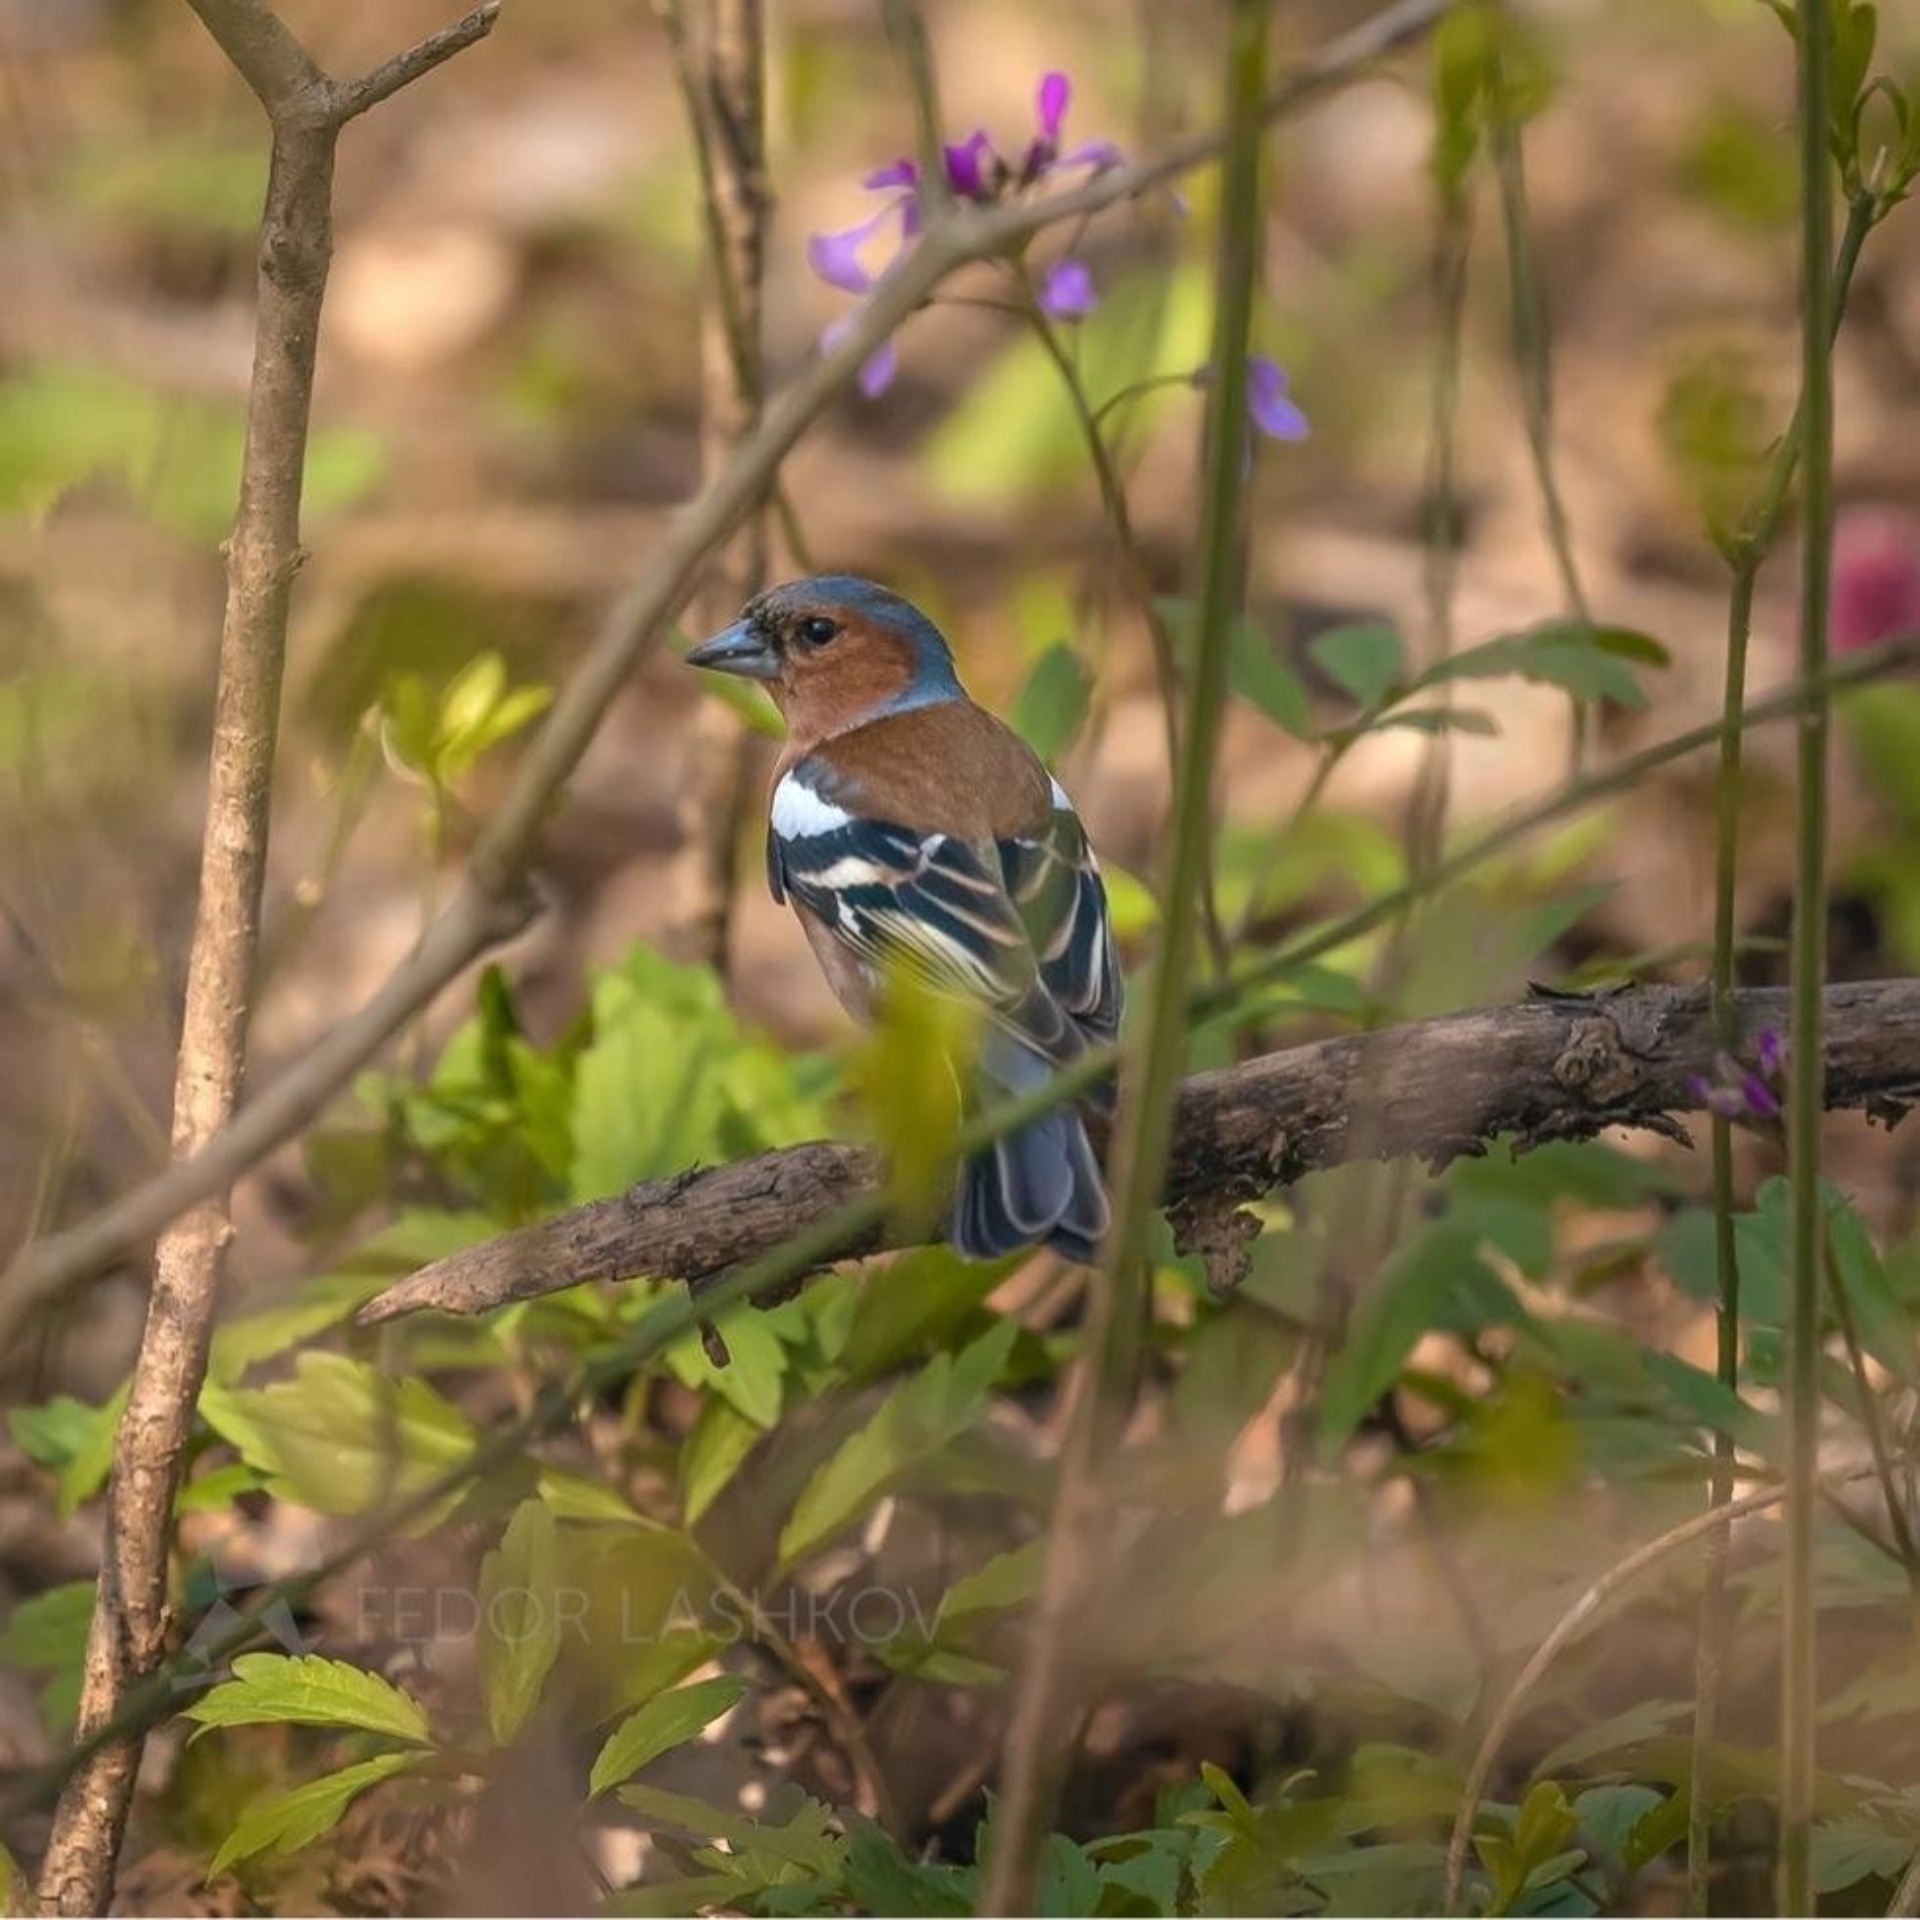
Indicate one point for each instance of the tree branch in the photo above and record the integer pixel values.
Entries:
(494, 903)
(1555, 1067)
(127, 1635)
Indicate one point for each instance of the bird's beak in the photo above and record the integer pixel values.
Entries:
(741, 650)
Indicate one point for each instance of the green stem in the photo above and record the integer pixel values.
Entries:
(1747, 554)
(1806, 1062)
(1532, 357)
(1053, 1674)
(1113, 500)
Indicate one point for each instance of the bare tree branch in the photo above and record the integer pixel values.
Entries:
(718, 52)
(354, 97)
(127, 1636)
(1556, 1067)
(493, 902)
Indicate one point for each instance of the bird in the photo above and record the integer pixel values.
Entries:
(911, 830)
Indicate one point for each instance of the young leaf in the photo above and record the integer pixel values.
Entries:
(1051, 706)
(915, 1421)
(668, 1720)
(519, 1617)
(712, 1453)
(309, 1690)
(339, 1437)
(1365, 658)
(1406, 1298)
(1261, 678)
(285, 1822)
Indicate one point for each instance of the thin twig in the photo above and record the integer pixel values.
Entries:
(1532, 352)
(721, 73)
(494, 902)
(127, 1635)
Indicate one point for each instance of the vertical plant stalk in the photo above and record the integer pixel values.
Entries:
(127, 1636)
(1533, 360)
(1746, 553)
(1051, 1694)
(1806, 1062)
(722, 72)
(1113, 501)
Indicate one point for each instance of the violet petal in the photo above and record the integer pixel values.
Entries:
(966, 165)
(876, 373)
(1067, 291)
(1759, 1097)
(902, 173)
(1097, 154)
(877, 370)
(1273, 411)
(1055, 91)
(835, 257)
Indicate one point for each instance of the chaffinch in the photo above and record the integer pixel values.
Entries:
(912, 829)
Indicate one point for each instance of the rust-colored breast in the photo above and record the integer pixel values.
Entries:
(946, 768)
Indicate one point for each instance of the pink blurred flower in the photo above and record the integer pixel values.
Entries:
(1876, 578)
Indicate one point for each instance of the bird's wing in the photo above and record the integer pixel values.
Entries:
(930, 904)
(1054, 883)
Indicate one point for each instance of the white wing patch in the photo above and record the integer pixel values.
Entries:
(799, 813)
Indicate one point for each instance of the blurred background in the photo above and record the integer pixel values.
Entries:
(507, 416)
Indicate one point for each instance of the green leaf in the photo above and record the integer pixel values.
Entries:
(339, 1437)
(74, 1440)
(1365, 658)
(519, 1617)
(668, 1720)
(713, 1453)
(915, 1421)
(1436, 1267)
(1591, 663)
(753, 1379)
(48, 1634)
(309, 1690)
(670, 1078)
(1471, 720)
(1261, 678)
(1051, 706)
(283, 1823)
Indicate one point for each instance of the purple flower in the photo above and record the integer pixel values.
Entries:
(1750, 1096)
(969, 163)
(1273, 410)
(1066, 292)
(978, 173)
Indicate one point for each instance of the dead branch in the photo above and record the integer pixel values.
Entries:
(127, 1636)
(1556, 1067)
(494, 902)
(718, 52)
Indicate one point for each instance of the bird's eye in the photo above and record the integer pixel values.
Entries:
(816, 630)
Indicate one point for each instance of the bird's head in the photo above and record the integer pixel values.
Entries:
(834, 652)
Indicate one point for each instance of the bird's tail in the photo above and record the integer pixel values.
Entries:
(1038, 1186)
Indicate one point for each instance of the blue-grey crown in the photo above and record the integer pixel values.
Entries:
(933, 658)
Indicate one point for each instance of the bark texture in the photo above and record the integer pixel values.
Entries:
(127, 1636)
(1555, 1067)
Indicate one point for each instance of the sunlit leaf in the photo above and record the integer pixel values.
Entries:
(309, 1690)
(668, 1720)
